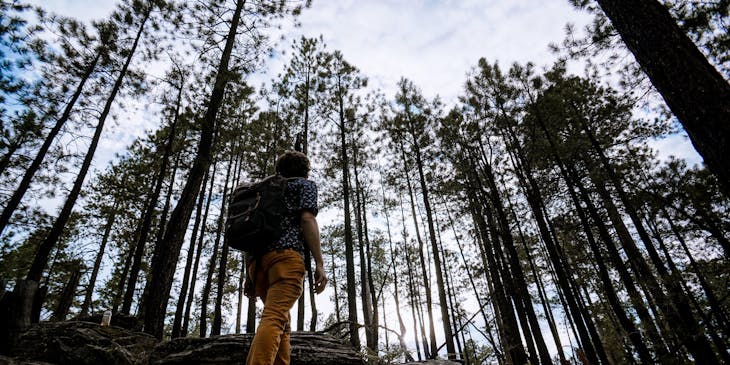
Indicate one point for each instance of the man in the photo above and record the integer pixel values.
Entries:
(277, 276)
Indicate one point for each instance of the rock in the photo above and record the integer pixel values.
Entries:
(306, 349)
(434, 362)
(81, 343)
(9, 361)
(131, 323)
(85, 343)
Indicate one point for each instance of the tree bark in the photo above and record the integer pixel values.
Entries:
(223, 266)
(693, 89)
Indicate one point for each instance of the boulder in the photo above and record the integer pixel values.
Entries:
(82, 343)
(307, 348)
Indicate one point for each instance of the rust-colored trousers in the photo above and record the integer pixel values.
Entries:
(279, 283)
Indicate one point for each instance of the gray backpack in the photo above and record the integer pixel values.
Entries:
(255, 214)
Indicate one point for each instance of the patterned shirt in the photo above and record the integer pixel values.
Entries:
(300, 195)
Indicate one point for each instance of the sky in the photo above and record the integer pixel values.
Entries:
(432, 43)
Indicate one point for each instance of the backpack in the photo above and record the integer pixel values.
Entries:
(255, 214)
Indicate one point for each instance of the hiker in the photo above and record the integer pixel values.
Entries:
(277, 275)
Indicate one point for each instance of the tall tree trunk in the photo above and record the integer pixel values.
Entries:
(239, 306)
(223, 266)
(365, 298)
(648, 321)
(446, 321)
(542, 294)
(713, 332)
(511, 341)
(167, 253)
(571, 179)
(712, 298)
(68, 294)
(41, 257)
(205, 295)
(334, 287)
(430, 350)
(349, 243)
(469, 274)
(198, 251)
(676, 307)
(411, 287)
(693, 89)
(119, 292)
(186, 282)
(168, 199)
(522, 294)
(624, 321)
(97, 262)
(396, 296)
(450, 292)
(149, 211)
(35, 165)
(251, 316)
(137, 255)
(536, 203)
(374, 294)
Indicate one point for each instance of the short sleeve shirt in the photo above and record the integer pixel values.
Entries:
(300, 195)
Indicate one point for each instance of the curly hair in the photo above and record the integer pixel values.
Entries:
(292, 164)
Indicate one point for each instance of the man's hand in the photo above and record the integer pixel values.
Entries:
(248, 289)
(320, 279)
(311, 239)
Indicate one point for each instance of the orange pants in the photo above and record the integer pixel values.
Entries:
(279, 283)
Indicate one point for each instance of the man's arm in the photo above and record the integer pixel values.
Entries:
(311, 239)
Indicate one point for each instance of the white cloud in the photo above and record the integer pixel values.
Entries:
(80, 9)
(676, 145)
(434, 43)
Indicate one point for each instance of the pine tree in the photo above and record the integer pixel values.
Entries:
(342, 80)
(692, 88)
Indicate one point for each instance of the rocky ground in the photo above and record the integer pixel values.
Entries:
(87, 343)
(84, 343)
